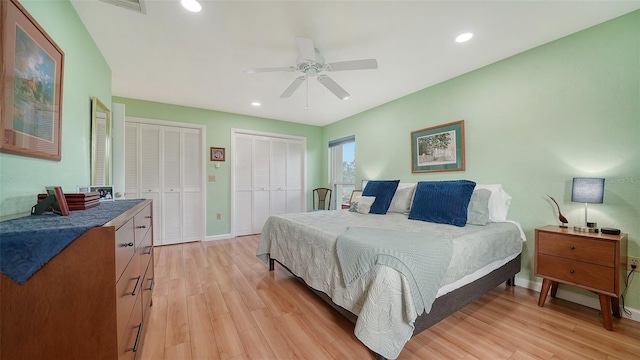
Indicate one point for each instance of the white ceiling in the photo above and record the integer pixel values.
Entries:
(172, 56)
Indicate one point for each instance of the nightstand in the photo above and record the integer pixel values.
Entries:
(589, 261)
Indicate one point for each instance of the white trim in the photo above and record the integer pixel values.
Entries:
(166, 123)
(576, 298)
(218, 237)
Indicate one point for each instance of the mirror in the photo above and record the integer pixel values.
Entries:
(100, 143)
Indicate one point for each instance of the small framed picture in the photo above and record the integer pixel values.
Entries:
(81, 189)
(106, 192)
(217, 154)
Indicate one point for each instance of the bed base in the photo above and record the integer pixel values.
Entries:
(444, 305)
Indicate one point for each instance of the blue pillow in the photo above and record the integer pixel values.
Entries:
(442, 202)
(383, 190)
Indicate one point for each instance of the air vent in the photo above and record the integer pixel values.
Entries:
(135, 5)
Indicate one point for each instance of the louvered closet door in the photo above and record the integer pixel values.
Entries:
(243, 169)
(192, 215)
(149, 172)
(171, 185)
(294, 176)
(278, 173)
(131, 156)
(268, 179)
(261, 186)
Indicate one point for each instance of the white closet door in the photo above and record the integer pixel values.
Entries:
(268, 173)
(171, 185)
(243, 169)
(278, 174)
(295, 171)
(131, 156)
(192, 215)
(149, 172)
(261, 186)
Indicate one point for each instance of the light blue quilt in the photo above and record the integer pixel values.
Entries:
(422, 258)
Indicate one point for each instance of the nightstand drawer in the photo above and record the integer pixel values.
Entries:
(591, 276)
(577, 248)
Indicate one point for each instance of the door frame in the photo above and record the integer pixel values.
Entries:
(234, 133)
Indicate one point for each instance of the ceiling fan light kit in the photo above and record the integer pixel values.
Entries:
(312, 64)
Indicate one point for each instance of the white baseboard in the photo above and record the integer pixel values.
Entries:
(588, 301)
(218, 237)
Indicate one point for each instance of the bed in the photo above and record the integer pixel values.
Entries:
(382, 293)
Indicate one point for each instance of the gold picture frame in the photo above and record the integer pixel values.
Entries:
(31, 93)
(217, 154)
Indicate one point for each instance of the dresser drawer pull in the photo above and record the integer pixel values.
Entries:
(135, 345)
(127, 244)
(153, 282)
(133, 293)
(572, 247)
(571, 271)
(141, 227)
(148, 217)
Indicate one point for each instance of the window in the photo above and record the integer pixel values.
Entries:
(342, 154)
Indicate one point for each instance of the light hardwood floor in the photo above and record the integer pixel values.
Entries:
(216, 300)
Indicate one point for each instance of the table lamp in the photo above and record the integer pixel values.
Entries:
(587, 191)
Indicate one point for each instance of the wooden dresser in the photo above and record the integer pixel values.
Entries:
(90, 301)
(590, 261)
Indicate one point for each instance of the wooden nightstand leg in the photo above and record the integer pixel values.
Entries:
(605, 308)
(615, 307)
(546, 284)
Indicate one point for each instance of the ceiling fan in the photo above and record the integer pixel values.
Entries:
(311, 63)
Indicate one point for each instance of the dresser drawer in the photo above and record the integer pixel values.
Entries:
(131, 339)
(127, 291)
(147, 290)
(577, 248)
(142, 222)
(124, 247)
(574, 272)
(145, 251)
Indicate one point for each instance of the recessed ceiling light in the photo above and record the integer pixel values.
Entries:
(255, 103)
(191, 5)
(464, 37)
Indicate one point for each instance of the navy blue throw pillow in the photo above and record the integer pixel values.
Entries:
(383, 190)
(442, 202)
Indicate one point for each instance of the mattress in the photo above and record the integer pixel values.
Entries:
(381, 298)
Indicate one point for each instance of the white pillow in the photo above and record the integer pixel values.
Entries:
(499, 202)
(401, 202)
(362, 204)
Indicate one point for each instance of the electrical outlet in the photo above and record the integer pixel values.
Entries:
(633, 261)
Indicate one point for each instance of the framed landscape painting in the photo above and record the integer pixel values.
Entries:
(31, 77)
(438, 148)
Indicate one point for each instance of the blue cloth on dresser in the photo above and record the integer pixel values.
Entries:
(27, 243)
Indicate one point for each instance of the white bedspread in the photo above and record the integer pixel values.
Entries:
(305, 243)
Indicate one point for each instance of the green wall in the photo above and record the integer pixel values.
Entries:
(218, 132)
(86, 74)
(570, 108)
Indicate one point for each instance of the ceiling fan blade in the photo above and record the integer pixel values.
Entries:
(336, 89)
(306, 49)
(270, 69)
(293, 87)
(352, 65)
